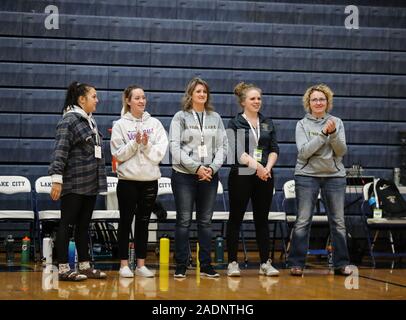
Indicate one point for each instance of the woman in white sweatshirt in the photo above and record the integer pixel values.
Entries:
(139, 143)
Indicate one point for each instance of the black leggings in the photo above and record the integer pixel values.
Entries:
(135, 197)
(76, 211)
(242, 188)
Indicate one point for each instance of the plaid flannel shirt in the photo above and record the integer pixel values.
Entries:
(74, 157)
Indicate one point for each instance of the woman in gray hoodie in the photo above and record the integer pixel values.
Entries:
(320, 140)
(198, 145)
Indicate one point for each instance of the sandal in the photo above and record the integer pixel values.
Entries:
(71, 275)
(92, 273)
(296, 271)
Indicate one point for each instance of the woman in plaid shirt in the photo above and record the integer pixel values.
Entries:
(78, 175)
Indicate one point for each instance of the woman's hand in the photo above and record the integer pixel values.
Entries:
(138, 137)
(204, 173)
(56, 190)
(144, 139)
(329, 127)
(262, 173)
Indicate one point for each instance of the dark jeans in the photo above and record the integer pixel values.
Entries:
(242, 188)
(333, 193)
(135, 198)
(76, 211)
(189, 191)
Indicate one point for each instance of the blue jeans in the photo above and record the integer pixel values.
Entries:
(333, 194)
(188, 191)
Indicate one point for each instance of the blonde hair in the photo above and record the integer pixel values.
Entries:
(322, 88)
(187, 103)
(241, 89)
(127, 96)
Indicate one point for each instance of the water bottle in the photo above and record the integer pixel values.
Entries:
(164, 244)
(219, 252)
(47, 247)
(9, 245)
(131, 255)
(372, 201)
(396, 176)
(330, 255)
(164, 277)
(73, 255)
(25, 250)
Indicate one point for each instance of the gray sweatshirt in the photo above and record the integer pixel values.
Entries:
(185, 137)
(320, 155)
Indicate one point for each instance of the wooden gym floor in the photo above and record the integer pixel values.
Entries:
(34, 282)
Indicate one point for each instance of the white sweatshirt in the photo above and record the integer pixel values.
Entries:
(136, 161)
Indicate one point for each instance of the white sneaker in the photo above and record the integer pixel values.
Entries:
(144, 272)
(233, 269)
(125, 272)
(267, 269)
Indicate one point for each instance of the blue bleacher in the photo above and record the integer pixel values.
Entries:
(165, 9)
(199, 10)
(43, 50)
(129, 29)
(81, 52)
(11, 49)
(121, 77)
(171, 30)
(42, 75)
(122, 53)
(173, 55)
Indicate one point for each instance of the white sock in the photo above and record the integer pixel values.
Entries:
(63, 267)
(84, 265)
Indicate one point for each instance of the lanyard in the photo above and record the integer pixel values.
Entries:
(93, 126)
(257, 134)
(201, 125)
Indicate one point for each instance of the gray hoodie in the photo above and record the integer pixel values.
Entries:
(184, 139)
(320, 155)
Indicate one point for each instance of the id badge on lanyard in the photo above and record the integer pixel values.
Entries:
(97, 147)
(202, 149)
(97, 152)
(257, 152)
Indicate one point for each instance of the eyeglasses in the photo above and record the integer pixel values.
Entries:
(318, 100)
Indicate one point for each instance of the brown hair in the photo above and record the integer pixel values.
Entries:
(322, 88)
(241, 89)
(187, 97)
(127, 96)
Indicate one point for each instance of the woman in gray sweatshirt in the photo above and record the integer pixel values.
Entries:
(198, 144)
(320, 140)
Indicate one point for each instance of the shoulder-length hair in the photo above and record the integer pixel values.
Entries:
(187, 103)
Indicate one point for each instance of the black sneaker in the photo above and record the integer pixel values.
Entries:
(208, 271)
(180, 271)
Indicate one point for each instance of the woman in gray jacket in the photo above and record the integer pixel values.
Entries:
(198, 145)
(320, 140)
